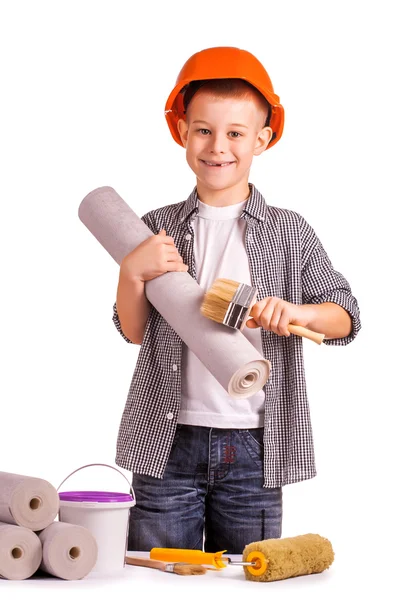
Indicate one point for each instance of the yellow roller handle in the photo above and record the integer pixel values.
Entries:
(193, 557)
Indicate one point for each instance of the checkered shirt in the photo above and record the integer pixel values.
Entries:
(286, 260)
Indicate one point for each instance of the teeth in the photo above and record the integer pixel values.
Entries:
(217, 164)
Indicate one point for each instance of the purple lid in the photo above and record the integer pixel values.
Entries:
(95, 497)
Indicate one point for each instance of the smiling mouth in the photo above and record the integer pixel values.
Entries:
(214, 164)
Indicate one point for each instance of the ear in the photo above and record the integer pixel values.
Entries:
(263, 139)
(183, 131)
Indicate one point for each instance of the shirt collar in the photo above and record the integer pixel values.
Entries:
(255, 206)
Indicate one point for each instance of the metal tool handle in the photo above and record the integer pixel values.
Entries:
(100, 465)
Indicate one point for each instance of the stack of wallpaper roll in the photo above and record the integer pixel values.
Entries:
(31, 539)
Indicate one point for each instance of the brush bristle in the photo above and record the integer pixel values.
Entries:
(218, 298)
(189, 569)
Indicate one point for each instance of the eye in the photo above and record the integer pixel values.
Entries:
(235, 134)
(204, 130)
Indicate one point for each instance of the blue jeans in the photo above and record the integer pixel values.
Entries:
(211, 497)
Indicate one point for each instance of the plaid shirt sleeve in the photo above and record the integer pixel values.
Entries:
(148, 220)
(321, 283)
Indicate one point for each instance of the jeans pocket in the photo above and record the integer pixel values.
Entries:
(257, 436)
(253, 441)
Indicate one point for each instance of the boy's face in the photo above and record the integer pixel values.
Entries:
(221, 136)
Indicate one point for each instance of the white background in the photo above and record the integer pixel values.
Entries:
(83, 89)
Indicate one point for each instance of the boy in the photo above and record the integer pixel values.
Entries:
(207, 469)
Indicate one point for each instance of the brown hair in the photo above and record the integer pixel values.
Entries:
(222, 88)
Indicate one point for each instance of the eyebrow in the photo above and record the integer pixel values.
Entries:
(229, 125)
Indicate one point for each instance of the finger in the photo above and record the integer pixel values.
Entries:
(283, 324)
(275, 319)
(257, 309)
(280, 319)
(266, 315)
(176, 266)
(252, 324)
(164, 238)
(173, 254)
(275, 316)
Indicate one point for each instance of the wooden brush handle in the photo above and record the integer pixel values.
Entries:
(302, 331)
(306, 333)
(145, 562)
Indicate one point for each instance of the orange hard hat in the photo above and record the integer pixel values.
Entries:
(223, 63)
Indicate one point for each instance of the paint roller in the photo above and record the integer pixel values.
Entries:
(266, 560)
(228, 355)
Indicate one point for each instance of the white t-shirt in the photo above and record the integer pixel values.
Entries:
(219, 251)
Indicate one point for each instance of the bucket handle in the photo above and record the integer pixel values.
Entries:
(100, 465)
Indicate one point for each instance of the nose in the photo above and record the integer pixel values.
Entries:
(218, 143)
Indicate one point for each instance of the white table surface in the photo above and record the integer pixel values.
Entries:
(142, 583)
(344, 579)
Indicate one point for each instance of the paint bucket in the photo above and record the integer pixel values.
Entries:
(105, 515)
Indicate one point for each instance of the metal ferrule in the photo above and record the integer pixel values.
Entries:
(240, 563)
(240, 306)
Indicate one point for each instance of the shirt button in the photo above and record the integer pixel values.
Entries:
(170, 416)
(174, 367)
(188, 236)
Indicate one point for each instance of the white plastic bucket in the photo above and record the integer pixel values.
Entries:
(105, 515)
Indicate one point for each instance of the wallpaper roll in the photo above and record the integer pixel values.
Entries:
(69, 551)
(20, 552)
(226, 353)
(27, 501)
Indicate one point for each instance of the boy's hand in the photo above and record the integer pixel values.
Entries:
(153, 257)
(275, 314)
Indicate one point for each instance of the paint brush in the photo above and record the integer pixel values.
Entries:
(230, 303)
(177, 568)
